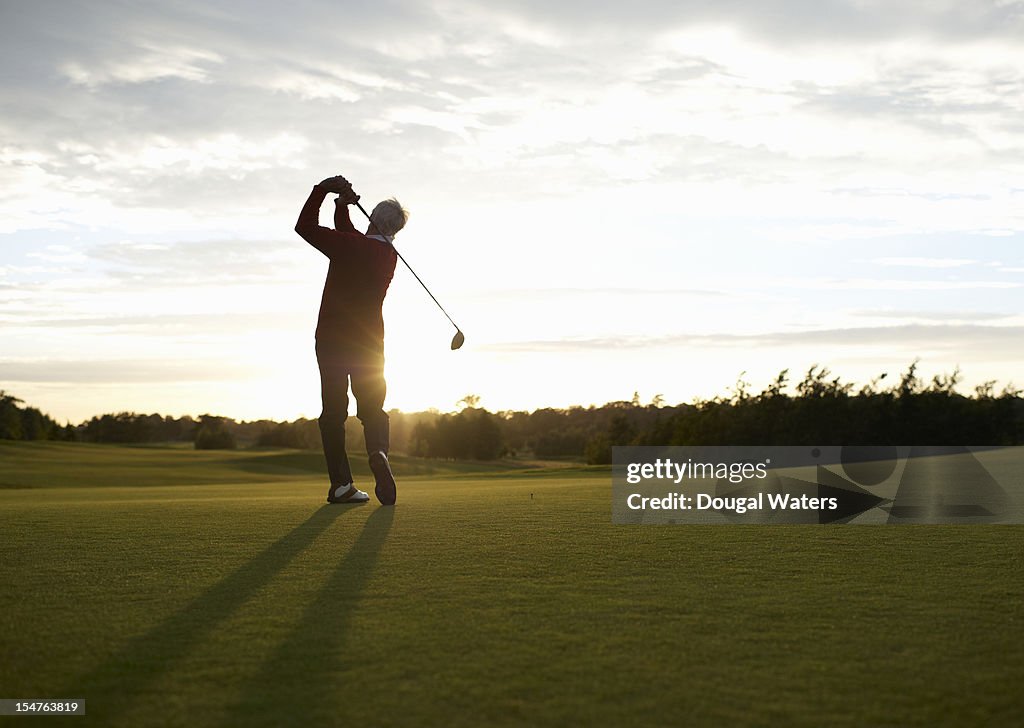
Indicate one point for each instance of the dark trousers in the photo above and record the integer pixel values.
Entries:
(366, 370)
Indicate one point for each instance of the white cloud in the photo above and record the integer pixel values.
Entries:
(145, 63)
(872, 284)
(95, 371)
(313, 86)
(907, 336)
(926, 262)
(947, 316)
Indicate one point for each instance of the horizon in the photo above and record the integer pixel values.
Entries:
(658, 198)
(997, 389)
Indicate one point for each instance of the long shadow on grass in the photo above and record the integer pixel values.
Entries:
(129, 673)
(299, 683)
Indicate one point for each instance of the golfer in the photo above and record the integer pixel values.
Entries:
(350, 332)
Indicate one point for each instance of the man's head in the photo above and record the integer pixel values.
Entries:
(388, 217)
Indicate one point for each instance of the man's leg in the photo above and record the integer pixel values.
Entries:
(334, 373)
(369, 388)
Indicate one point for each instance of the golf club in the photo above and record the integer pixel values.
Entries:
(459, 339)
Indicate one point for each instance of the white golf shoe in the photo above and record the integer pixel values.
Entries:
(347, 494)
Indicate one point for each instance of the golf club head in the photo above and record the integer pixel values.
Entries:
(458, 340)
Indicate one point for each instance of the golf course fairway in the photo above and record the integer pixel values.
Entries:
(488, 597)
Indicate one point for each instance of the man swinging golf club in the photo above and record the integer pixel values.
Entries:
(350, 332)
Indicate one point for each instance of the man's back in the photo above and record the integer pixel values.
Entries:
(358, 277)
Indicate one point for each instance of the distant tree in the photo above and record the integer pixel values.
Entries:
(569, 441)
(25, 423)
(598, 450)
(621, 431)
(473, 433)
(121, 427)
(213, 434)
(486, 439)
(419, 441)
(34, 425)
(10, 417)
(303, 434)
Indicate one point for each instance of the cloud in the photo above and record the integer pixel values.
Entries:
(949, 337)
(933, 315)
(151, 63)
(957, 99)
(574, 293)
(896, 192)
(197, 106)
(200, 262)
(944, 336)
(784, 21)
(879, 284)
(926, 262)
(163, 324)
(122, 371)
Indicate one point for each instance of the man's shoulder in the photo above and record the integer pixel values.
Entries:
(381, 245)
(369, 249)
(380, 240)
(356, 242)
(354, 235)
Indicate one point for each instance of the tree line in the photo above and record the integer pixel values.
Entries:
(822, 410)
(28, 423)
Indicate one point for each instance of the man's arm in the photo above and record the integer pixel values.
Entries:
(342, 221)
(308, 224)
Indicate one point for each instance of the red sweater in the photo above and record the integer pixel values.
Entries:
(358, 277)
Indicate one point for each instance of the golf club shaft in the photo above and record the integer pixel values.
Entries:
(407, 265)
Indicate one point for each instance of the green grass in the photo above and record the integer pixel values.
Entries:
(480, 600)
(44, 464)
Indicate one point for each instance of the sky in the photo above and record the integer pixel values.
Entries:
(660, 197)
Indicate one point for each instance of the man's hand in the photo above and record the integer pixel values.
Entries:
(336, 184)
(341, 187)
(347, 197)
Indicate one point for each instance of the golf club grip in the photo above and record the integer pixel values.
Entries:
(370, 219)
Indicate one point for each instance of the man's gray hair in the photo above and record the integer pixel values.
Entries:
(389, 217)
